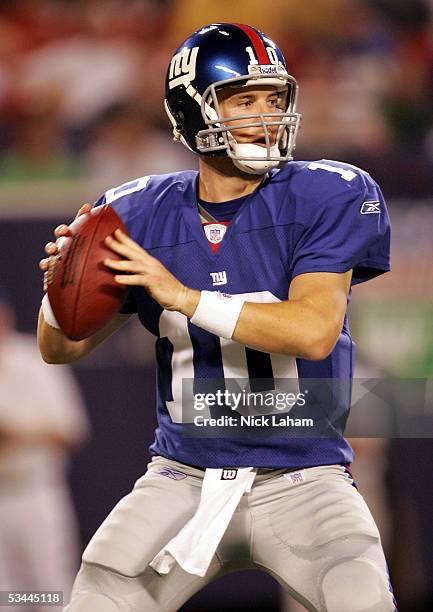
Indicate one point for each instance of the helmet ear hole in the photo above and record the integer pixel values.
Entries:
(179, 118)
(179, 115)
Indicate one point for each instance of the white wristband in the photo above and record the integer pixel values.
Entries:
(48, 312)
(218, 313)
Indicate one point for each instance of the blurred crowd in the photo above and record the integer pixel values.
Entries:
(82, 81)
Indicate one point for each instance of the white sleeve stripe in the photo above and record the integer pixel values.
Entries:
(130, 187)
(346, 174)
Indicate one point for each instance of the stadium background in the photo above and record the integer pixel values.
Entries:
(81, 88)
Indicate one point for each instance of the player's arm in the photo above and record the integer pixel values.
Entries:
(307, 325)
(54, 346)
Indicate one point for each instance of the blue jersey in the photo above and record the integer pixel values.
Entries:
(306, 217)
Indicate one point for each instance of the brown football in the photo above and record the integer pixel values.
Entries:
(83, 293)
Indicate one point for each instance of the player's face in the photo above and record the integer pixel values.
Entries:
(252, 100)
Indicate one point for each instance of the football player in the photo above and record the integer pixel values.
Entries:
(240, 270)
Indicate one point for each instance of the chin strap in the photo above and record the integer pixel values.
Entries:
(253, 166)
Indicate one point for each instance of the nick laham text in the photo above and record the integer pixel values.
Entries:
(272, 420)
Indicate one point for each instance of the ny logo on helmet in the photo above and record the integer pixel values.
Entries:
(182, 67)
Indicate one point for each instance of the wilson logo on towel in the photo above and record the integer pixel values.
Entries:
(229, 474)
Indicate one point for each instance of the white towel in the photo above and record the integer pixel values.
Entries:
(195, 544)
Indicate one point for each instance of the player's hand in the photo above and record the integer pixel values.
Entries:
(140, 268)
(48, 264)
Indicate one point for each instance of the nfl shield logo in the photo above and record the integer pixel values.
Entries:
(215, 234)
(295, 478)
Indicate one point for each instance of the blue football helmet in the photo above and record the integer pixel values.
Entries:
(231, 55)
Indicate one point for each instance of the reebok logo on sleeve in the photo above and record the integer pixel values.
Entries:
(370, 207)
